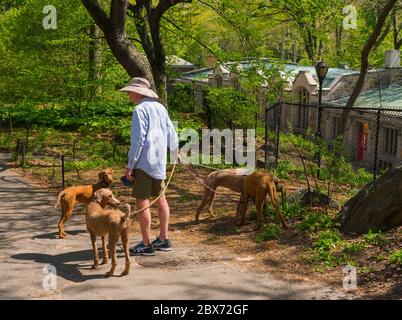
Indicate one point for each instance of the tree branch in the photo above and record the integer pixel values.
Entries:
(97, 13)
(195, 39)
(165, 5)
(118, 11)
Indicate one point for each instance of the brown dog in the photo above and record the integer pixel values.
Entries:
(111, 223)
(229, 178)
(258, 185)
(80, 194)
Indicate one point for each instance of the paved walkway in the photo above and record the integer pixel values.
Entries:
(28, 243)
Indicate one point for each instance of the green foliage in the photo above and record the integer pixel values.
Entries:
(326, 241)
(181, 98)
(338, 169)
(227, 104)
(322, 249)
(396, 257)
(186, 121)
(354, 248)
(290, 210)
(90, 164)
(314, 222)
(376, 238)
(268, 232)
(285, 168)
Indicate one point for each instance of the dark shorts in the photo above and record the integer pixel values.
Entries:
(145, 186)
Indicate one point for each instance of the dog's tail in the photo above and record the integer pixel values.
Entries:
(61, 194)
(128, 212)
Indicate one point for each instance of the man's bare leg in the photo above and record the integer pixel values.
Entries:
(145, 220)
(164, 214)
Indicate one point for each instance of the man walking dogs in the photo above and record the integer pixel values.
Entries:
(152, 132)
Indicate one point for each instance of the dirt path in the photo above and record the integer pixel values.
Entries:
(28, 243)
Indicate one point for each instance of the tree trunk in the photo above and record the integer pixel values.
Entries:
(128, 56)
(371, 42)
(283, 44)
(294, 54)
(396, 31)
(377, 206)
(147, 16)
(338, 41)
(95, 59)
(113, 28)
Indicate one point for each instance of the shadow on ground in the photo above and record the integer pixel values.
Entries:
(64, 264)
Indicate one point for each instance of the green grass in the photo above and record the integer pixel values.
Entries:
(268, 232)
(354, 248)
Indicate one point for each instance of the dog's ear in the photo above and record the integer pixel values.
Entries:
(110, 171)
(98, 196)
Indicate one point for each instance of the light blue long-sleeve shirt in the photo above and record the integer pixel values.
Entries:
(152, 132)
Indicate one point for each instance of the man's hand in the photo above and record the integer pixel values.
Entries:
(128, 174)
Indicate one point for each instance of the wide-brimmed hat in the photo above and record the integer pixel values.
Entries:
(141, 86)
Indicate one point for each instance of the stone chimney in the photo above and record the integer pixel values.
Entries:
(392, 59)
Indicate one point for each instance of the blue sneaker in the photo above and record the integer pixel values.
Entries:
(142, 250)
(162, 245)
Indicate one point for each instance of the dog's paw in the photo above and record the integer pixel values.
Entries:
(104, 261)
(124, 273)
(108, 274)
(94, 266)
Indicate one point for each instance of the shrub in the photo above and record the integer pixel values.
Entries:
(181, 97)
(227, 104)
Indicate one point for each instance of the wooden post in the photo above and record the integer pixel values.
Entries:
(23, 155)
(17, 149)
(26, 138)
(10, 122)
(62, 170)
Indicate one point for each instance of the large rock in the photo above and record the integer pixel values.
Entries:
(377, 206)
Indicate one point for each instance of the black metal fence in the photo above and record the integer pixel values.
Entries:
(61, 157)
(368, 138)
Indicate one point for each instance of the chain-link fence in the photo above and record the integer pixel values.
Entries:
(320, 138)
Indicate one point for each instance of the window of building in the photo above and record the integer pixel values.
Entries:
(391, 142)
(218, 81)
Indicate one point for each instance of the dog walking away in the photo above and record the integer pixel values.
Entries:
(80, 194)
(229, 178)
(111, 223)
(258, 185)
